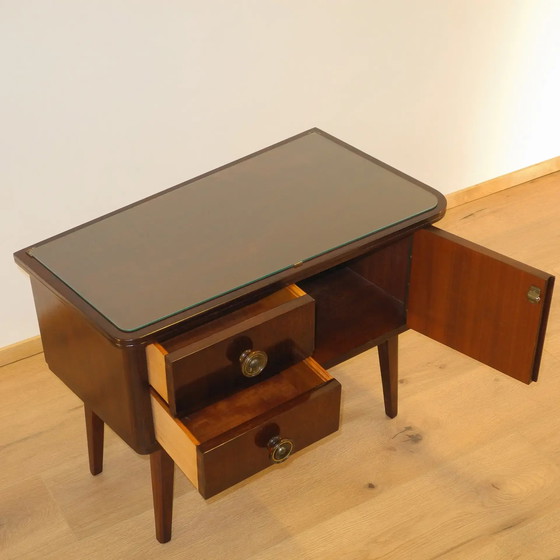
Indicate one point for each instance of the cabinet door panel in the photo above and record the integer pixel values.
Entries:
(477, 302)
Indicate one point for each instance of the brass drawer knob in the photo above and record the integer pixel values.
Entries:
(253, 362)
(280, 448)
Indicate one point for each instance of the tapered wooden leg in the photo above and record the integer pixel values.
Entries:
(95, 435)
(389, 364)
(162, 467)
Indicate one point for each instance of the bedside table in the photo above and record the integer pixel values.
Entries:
(199, 323)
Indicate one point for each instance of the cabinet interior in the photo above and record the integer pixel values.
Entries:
(360, 303)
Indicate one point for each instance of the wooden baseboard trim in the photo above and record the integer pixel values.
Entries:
(20, 350)
(503, 182)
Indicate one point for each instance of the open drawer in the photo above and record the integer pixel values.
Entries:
(242, 434)
(234, 351)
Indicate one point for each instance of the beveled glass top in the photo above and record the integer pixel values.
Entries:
(230, 228)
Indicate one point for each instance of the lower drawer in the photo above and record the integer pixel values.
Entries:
(234, 438)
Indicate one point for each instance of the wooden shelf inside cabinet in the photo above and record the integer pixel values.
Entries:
(352, 315)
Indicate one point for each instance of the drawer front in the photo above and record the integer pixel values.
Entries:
(234, 457)
(250, 431)
(206, 364)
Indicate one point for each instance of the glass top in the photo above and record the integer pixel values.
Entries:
(230, 228)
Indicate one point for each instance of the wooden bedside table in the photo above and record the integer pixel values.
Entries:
(199, 323)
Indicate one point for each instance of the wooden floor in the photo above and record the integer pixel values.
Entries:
(470, 469)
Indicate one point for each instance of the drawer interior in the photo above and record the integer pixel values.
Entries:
(235, 412)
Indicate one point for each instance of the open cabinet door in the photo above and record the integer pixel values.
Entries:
(485, 305)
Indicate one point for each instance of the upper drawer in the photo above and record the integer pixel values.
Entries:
(225, 355)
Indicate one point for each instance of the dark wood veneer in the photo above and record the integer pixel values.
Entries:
(388, 267)
(95, 431)
(475, 301)
(353, 314)
(206, 368)
(233, 445)
(162, 468)
(389, 364)
(111, 381)
(244, 294)
(231, 413)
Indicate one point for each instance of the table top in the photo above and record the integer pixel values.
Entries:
(247, 221)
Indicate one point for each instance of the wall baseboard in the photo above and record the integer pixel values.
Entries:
(20, 350)
(32, 346)
(503, 182)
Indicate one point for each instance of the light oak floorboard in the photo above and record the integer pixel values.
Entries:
(469, 469)
(20, 350)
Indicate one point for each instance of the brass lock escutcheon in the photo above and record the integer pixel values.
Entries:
(534, 294)
(253, 362)
(280, 448)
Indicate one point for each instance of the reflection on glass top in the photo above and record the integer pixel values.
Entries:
(230, 228)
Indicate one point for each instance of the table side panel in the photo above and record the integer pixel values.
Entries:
(111, 380)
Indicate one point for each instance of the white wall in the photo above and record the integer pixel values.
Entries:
(103, 102)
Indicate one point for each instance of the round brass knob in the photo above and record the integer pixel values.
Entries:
(280, 448)
(253, 362)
